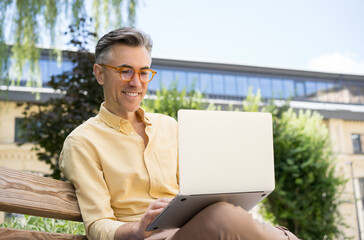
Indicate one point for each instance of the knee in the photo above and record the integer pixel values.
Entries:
(231, 221)
(224, 215)
(221, 209)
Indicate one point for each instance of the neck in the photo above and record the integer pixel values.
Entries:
(132, 117)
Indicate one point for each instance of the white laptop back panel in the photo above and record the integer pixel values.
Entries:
(225, 152)
(223, 156)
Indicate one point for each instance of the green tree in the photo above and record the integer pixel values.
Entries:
(169, 101)
(306, 198)
(34, 21)
(307, 193)
(55, 118)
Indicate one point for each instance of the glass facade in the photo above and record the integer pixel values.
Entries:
(236, 86)
(47, 68)
(217, 84)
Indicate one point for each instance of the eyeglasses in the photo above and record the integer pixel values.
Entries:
(127, 73)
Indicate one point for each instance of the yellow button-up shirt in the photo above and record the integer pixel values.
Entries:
(115, 176)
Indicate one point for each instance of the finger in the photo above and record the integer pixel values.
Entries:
(149, 216)
(157, 204)
(161, 200)
(154, 212)
(166, 200)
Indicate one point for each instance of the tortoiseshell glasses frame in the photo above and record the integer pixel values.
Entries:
(127, 73)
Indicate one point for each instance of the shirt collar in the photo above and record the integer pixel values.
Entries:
(141, 113)
(117, 122)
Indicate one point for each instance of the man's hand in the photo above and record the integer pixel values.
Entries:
(136, 230)
(154, 209)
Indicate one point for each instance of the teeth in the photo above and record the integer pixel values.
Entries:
(131, 94)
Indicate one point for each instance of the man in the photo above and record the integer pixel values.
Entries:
(123, 162)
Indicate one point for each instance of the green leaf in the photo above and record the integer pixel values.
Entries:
(298, 181)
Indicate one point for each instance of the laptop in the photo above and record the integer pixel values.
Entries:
(223, 156)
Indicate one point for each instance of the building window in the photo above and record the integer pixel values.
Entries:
(265, 87)
(361, 186)
(358, 143)
(218, 84)
(181, 79)
(166, 78)
(288, 88)
(277, 89)
(205, 83)
(19, 130)
(230, 85)
(243, 86)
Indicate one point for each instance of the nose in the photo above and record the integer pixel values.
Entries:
(135, 82)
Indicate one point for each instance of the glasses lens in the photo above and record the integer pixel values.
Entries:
(127, 74)
(145, 75)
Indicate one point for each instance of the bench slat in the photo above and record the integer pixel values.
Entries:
(26, 193)
(18, 234)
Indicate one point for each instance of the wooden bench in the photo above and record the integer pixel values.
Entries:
(27, 193)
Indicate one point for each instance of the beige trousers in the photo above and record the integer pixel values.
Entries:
(224, 221)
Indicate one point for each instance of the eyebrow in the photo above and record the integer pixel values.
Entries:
(126, 65)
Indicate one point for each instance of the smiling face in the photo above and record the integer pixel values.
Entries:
(123, 98)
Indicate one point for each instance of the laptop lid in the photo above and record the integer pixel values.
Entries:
(225, 152)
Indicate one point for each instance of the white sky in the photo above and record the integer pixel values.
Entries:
(322, 35)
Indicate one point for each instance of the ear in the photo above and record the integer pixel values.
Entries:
(99, 74)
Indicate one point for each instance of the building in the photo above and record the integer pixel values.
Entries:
(338, 97)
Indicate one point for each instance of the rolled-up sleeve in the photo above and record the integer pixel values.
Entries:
(80, 165)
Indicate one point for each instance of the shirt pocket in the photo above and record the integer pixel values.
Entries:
(167, 161)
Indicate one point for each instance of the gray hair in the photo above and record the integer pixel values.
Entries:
(127, 36)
